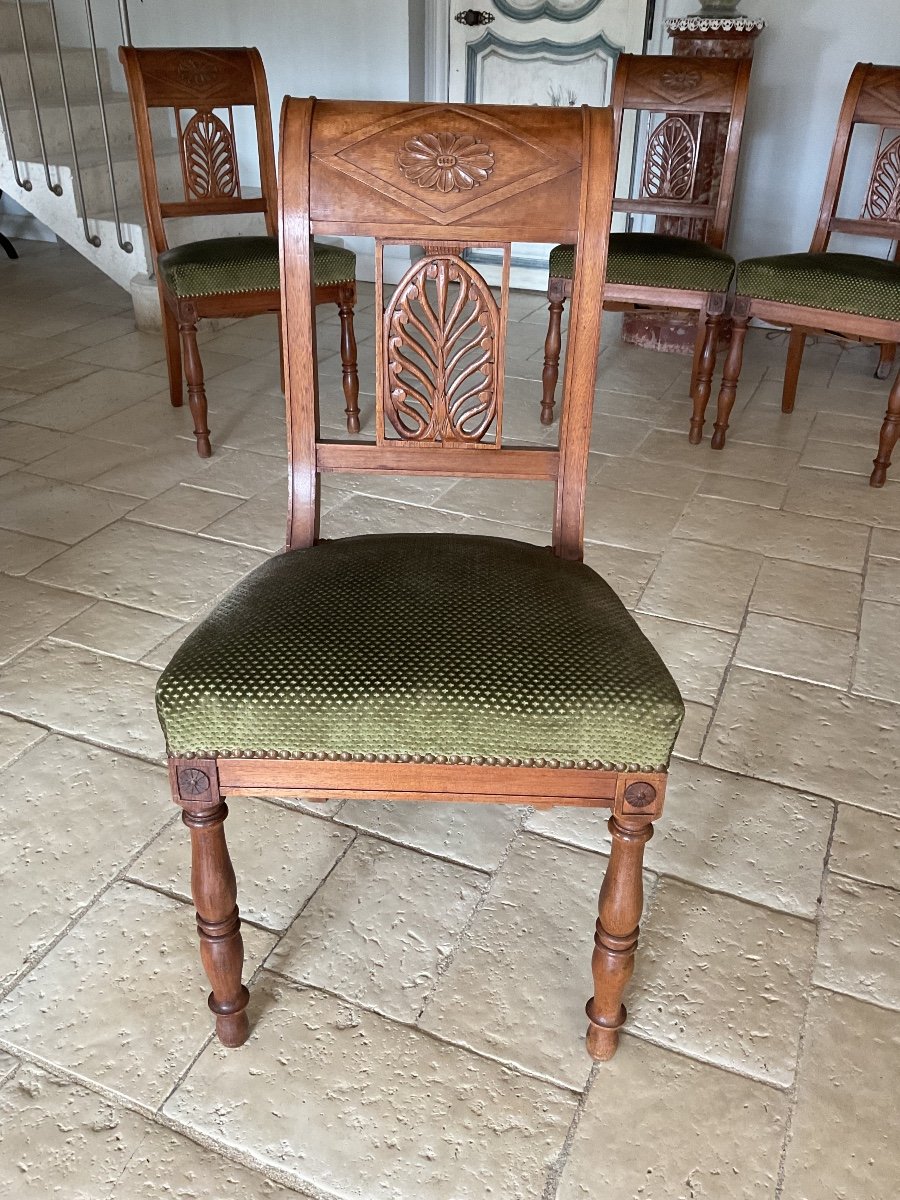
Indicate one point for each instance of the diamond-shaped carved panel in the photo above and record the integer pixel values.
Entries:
(446, 163)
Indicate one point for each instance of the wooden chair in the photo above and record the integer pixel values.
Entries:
(682, 263)
(476, 668)
(854, 295)
(224, 276)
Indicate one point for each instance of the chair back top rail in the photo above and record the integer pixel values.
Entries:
(674, 180)
(206, 82)
(872, 98)
(448, 178)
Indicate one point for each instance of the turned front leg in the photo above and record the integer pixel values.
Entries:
(193, 369)
(214, 890)
(890, 432)
(552, 347)
(616, 937)
(732, 370)
(704, 367)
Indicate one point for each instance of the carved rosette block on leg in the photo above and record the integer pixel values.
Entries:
(214, 890)
(616, 936)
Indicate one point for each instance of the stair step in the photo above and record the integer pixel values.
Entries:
(38, 27)
(79, 68)
(87, 124)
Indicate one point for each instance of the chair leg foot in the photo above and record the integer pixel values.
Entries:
(550, 373)
(890, 432)
(616, 935)
(885, 360)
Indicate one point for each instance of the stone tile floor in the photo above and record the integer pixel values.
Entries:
(420, 972)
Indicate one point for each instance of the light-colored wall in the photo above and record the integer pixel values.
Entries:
(802, 63)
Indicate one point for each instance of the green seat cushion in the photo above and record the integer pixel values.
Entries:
(454, 646)
(847, 283)
(243, 264)
(655, 260)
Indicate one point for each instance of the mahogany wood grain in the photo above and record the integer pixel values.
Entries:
(872, 98)
(203, 80)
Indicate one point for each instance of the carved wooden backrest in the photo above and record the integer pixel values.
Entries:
(203, 87)
(872, 98)
(683, 97)
(447, 178)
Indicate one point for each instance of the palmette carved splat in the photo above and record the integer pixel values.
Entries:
(209, 161)
(882, 201)
(441, 330)
(670, 161)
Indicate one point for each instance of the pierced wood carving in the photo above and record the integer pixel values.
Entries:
(446, 162)
(208, 158)
(442, 333)
(882, 201)
(670, 161)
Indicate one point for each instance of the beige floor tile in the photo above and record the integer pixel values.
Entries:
(750, 839)
(801, 592)
(866, 846)
(64, 512)
(512, 501)
(161, 467)
(630, 519)
(21, 553)
(60, 1139)
(280, 858)
(16, 737)
(259, 524)
(354, 1104)
(666, 479)
(120, 1001)
(516, 986)
(167, 572)
(768, 463)
(845, 430)
(475, 835)
(705, 585)
(722, 980)
(807, 737)
(626, 571)
(793, 648)
(619, 435)
(813, 395)
(713, 1133)
(380, 927)
(845, 498)
(245, 474)
(409, 489)
(886, 543)
(30, 443)
(31, 612)
(57, 847)
(832, 456)
(844, 1131)
(85, 695)
(770, 427)
(758, 530)
(160, 655)
(8, 1066)
(21, 349)
(744, 491)
(82, 459)
(115, 629)
(94, 331)
(697, 657)
(255, 376)
(145, 423)
(44, 377)
(92, 398)
(883, 580)
(877, 670)
(131, 352)
(189, 509)
(859, 942)
(627, 369)
(215, 363)
(692, 734)
(365, 514)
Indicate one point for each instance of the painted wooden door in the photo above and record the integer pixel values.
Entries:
(557, 52)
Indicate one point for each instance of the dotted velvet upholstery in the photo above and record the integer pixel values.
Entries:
(413, 645)
(847, 283)
(655, 260)
(218, 266)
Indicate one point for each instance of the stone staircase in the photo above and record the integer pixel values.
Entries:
(62, 214)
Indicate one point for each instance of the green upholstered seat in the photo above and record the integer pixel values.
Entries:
(848, 283)
(453, 646)
(244, 264)
(655, 260)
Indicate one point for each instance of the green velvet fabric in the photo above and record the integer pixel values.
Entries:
(655, 260)
(219, 266)
(847, 283)
(454, 646)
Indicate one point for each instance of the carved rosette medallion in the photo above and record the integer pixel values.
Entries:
(442, 330)
(192, 781)
(679, 84)
(640, 795)
(445, 162)
(197, 72)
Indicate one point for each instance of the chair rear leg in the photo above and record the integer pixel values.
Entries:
(740, 318)
(214, 890)
(885, 360)
(173, 353)
(796, 345)
(349, 369)
(890, 431)
(705, 364)
(616, 936)
(193, 369)
(552, 346)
